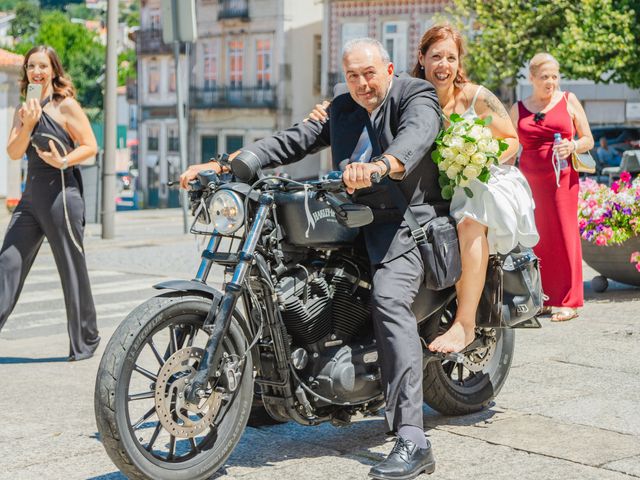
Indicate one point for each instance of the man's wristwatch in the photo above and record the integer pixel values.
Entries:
(387, 164)
(65, 163)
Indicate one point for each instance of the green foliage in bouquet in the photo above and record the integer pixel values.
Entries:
(465, 151)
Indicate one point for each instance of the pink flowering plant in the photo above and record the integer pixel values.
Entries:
(610, 215)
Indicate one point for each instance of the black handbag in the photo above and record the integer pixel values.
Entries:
(512, 294)
(438, 244)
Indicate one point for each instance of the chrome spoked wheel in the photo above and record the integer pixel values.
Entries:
(161, 433)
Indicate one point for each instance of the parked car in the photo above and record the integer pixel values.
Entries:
(126, 191)
(620, 137)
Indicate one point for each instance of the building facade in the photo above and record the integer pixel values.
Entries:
(254, 69)
(397, 24)
(10, 70)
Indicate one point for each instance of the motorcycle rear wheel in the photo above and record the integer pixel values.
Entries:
(150, 357)
(460, 389)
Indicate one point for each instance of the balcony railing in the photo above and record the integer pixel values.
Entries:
(233, 9)
(132, 90)
(150, 42)
(227, 97)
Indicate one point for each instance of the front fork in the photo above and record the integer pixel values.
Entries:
(220, 317)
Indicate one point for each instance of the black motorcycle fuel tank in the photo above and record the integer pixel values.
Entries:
(309, 222)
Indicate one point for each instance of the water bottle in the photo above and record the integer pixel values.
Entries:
(562, 163)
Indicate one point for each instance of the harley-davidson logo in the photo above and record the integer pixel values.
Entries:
(324, 213)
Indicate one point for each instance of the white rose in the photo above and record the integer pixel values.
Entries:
(457, 142)
(447, 140)
(476, 131)
(478, 158)
(459, 129)
(447, 153)
(461, 159)
(493, 146)
(452, 172)
(487, 133)
(444, 165)
(463, 182)
(483, 145)
(471, 171)
(469, 148)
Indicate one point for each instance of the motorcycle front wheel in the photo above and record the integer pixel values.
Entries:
(462, 388)
(146, 425)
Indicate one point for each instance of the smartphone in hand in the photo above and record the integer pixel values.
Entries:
(34, 90)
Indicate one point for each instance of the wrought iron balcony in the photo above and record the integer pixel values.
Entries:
(149, 42)
(227, 97)
(233, 9)
(132, 90)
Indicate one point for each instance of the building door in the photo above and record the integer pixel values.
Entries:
(208, 147)
(234, 142)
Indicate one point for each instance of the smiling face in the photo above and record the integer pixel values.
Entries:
(368, 76)
(545, 80)
(441, 63)
(39, 70)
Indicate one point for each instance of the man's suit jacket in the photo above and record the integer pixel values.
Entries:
(407, 125)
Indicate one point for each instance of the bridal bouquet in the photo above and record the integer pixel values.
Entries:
(465, 150)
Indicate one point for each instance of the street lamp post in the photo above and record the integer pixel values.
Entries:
(110, 129)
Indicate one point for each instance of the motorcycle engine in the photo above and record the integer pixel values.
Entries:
(324, 305)
(325, 308)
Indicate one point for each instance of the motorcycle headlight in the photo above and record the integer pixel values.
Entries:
(226, 210)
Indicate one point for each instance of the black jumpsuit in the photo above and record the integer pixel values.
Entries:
(40, 214)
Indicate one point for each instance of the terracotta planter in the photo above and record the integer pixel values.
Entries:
(612, 262)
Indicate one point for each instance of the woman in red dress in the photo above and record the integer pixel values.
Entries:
(538, 118)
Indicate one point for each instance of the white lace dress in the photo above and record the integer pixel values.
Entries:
(504, 204)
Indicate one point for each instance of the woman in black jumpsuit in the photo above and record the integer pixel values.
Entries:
(52, 205)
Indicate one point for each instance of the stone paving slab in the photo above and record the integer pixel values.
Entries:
(568, 410)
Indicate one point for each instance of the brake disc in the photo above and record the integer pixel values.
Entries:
(179, 417)
(478, 358)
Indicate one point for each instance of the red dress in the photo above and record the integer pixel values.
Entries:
(556, 209)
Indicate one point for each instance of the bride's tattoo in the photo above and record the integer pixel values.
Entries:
(494, 104)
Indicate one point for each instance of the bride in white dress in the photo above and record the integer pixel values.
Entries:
(499, 216)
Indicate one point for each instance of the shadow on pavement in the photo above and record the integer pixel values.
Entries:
(110, 476)
(10, 360)
(616, 292)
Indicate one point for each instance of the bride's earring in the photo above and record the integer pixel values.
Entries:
(422, 67)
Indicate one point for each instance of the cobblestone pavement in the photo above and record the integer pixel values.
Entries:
(569, 409)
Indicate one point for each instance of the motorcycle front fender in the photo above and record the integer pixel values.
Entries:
(191, 286)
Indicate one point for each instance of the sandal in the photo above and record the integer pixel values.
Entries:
(546, 310)
(564, 315)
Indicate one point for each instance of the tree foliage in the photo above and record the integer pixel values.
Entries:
(8, 5)
(80, 51)
(57, 4)
(592, 39)
(25, 25)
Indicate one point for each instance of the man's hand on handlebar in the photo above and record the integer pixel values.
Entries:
(357, 175)
(192, 172)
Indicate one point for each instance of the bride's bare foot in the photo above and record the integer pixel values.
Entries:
(454, 339)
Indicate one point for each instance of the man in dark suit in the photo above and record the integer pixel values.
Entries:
(385, 124)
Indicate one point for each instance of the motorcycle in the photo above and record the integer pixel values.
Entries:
(290, 336)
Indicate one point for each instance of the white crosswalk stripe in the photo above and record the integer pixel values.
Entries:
(55, 277)
(114, 298)
(142, 285)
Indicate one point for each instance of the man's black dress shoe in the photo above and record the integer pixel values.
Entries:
(405, 461)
